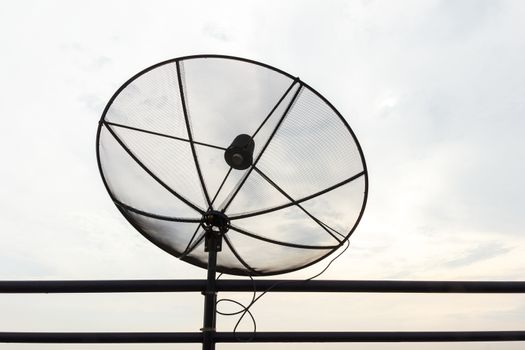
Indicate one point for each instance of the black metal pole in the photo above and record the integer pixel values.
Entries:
(262, 337)
(210, 294)
(319, 286)
(100, 337)
(370, 337)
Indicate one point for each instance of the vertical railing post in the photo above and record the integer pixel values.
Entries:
(212, 245)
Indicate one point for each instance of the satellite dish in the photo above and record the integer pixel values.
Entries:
(227, 146)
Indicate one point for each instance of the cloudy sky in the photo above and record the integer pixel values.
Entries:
(434, 91)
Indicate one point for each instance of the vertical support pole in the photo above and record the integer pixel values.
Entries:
(210, 294)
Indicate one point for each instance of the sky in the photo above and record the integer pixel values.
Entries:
(433, 90)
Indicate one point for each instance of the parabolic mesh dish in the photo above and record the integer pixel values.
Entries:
(161, 144)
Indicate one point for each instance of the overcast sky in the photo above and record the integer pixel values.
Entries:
(434, 91)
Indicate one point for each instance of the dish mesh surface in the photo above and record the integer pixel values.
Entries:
(161, 145)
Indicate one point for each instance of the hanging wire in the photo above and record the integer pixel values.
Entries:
(245, 309)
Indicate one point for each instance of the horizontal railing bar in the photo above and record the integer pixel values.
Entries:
(341, 337)
(263, 337)
(103, 286)
(342, 286)
(336, 286)
(100, 337)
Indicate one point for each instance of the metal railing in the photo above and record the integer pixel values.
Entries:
(325, 286)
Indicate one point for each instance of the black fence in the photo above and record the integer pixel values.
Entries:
(326, 286)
